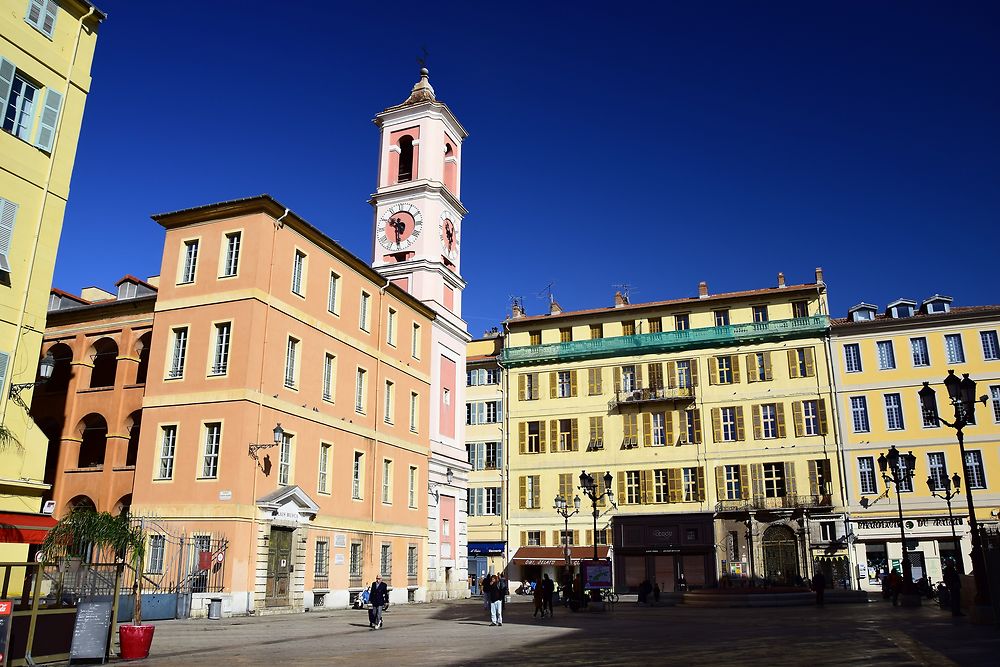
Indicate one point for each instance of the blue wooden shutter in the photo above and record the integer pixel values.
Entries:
(49, 119)
(8, 212)
(4, 359)
(7, 71)
(49, 21)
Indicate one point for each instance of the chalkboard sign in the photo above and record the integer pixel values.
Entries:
(90, 633)
(6, 620)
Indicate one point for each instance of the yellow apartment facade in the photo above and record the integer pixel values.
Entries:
(881, 360)
(713, 416)
(46, 51)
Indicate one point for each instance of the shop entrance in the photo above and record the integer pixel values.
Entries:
(279, 568)
(781, 558)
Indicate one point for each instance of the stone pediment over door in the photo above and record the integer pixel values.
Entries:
(288, 506)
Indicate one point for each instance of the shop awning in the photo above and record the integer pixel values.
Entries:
(486, 548)
(24, 528)
(555, 555)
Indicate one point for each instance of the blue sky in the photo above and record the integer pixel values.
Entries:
(654, 144)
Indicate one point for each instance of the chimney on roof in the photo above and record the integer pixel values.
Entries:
(819, 275)
(620, 300)
(702, 289)
(554, 307)
(781, 279)
(516, 310)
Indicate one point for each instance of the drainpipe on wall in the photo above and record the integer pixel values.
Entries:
(841, 462)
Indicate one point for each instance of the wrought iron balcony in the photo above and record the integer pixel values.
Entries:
(668, 341)
(776, 503)
(657, 395)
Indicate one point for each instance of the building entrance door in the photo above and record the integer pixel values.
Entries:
(781, 555)
(279, 568)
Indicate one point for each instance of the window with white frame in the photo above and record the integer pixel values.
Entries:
(886, 356)
(734, 488)
(385, 560)
(658, 424)
(220, 357)
(483, 412)
(563, 384)
(725, 366)
(387, 481)
(323, 474)
(412, 487)
(727, 424)
(356, 475)
(995, 395)
(689, 481)
(852, 358)
(905, 481)
(179, 353)
(299, 273)
(390, 392)
(866, 475)
(168, 448)
(19, 104)
(629, 382)
(482, 376)
(633, 487)
(810, 418)
(975, 474)
(921, 357)
(390, 328)
(937, 469)
(533, 538)
(769, 420)
(828, 531)
(157, 552)
(285, 460)
(333, 294)
(329, 367)
(41, 16)
(291, 355)
(893, 412)
(190, 267)
(356, 556)
(321, 567)
(411, 561)
(365, 310)
(484, 455)
(415, 342)
(360, 391)
(991, 347)
(954, 351)
(859, 414)
(760, 313)
(231, 262)
(685, 378)
(774, 480)
(928, 418)
(414, 411)
(213, 440)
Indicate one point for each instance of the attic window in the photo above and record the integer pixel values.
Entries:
(902, 311)
(54, 302)
(127, 290)
(937, 307)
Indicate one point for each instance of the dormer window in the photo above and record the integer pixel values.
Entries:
(54, 302)
(937, 304)
(863, 312)
(901, 308)
(127, 290)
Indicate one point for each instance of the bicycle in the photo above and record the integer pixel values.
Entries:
(609, 595)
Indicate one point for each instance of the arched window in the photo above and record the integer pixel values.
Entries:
(123, 505)
(142, 348)
(63, 370)
(450, 167)
(105, 356)
(134, 423)
(405, 158)
(95, 441)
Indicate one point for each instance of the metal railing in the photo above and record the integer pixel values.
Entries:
(774, 503)
(668, 341)
(651, 395)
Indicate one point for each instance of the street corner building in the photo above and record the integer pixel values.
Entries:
(280, 415)
(46, 52)
(712, 415)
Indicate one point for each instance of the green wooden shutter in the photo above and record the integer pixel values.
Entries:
(797, 418)
(535, 386)
(646, 486)
(8, 214)
(779, 417)
(618, 379)
(647, 429)
(740, 431)
(49, 119)
(541, 437)
(793, 363)
(7, 71)
(757, 428)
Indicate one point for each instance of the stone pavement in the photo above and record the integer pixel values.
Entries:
(458, 633)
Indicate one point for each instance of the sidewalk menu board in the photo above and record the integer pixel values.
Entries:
(596, 574)
(90, 633)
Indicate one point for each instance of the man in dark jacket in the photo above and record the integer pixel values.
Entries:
(954, 584)
(378, 596)
(548, 588)
(819, 586)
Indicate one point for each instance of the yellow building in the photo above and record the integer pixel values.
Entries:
(712, 415)
(484, 441)
(46, 51)
(882, 359)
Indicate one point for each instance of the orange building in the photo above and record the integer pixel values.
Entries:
(90, 409)
(264, 323)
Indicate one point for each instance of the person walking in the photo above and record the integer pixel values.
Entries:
(895, 586)
(819, 586)
(954, 584)
(548, 588)
(539, 599)
(495, 596)
(378, 596)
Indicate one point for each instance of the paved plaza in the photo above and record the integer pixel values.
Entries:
(458, 633)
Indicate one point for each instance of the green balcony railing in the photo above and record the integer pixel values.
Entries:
(668, 341)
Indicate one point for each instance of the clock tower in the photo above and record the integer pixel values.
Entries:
(417, 245)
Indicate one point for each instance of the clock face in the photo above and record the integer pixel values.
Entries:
(399, 226)
(449, 237)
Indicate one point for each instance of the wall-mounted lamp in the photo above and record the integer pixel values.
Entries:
(432, 487)
(45, 368)
(279, 436)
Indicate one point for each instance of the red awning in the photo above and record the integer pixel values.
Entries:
(24, 528)
(555, 555)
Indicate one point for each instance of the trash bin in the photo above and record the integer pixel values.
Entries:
(215, 609)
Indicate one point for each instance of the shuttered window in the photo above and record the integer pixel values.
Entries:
(8, 214)
(596, 434)
(4, 361)
(48, 120)
(41, 15)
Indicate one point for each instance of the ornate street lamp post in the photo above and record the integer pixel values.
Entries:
(562, 507)
(888, 463)
(589, 487)
(962, 394)
(946, 486)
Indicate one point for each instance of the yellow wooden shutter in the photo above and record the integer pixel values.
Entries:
(757, 479)
(767, 366)
(813, 479)
(713, 370)
(668, 426)
(553, 384)
(694, 372)
(646, 486)
(621, 487)
(554, 444)
(638, 377)
(656, 376)
(522, 486)
(716, 425)
(671, 375)
(522, 437)
(618, 379)
(647, 429)
(821, 411)
(675, 491)
(797, 418)
(700, 477)
(734, 361)
(752, 368)
(779, 417)
(740, 432)
(696, 416)
(757, 428)
(590, 536)
(541, 437)
(557, 537)
(574, 431)
(535, 386)
(793, 363)
(720, 482)
(524, 537)
(541, 538)
(536, 493)
(520, 387)
(745, 481)
(810, 362)
(790, 488)
(572, 383)
(576, 537)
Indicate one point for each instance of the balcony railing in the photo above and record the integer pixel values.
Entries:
(668, 341)
(776, 503)
(656, 395)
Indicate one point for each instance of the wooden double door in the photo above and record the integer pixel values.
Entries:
(280, 567)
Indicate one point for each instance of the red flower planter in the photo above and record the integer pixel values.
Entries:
(135, 640)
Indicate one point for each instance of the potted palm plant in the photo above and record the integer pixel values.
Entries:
(84, 530)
